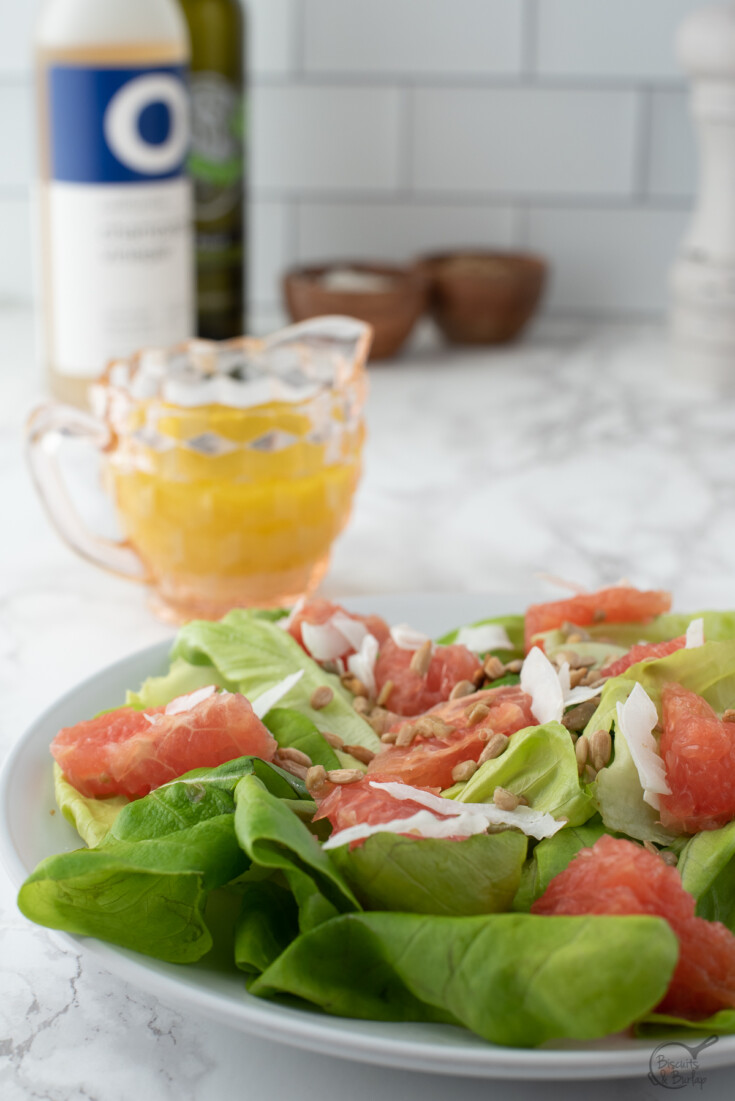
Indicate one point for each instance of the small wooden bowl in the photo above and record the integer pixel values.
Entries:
(483, 297)
(392, 311)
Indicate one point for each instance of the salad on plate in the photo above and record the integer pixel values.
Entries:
(525, 828)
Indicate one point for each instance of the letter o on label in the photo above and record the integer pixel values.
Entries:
(123, 114)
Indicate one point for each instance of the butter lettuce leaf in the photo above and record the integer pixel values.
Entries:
(514, 979)
(253, 655)
(293, 730)
(707, 869)
(550, 857)
(147, 882)
(268, 922)
(479, 875)
(540, 764)
(181, 679)
(276, 841)
(91, 818)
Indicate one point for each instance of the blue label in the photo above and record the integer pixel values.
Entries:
(118, 125)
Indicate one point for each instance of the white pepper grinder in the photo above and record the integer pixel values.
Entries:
(703, 276)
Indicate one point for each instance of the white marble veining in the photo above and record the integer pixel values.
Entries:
(574, 453)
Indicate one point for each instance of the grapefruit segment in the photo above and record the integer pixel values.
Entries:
(620, 877)
(645, 651)
(698, 750)
(618, 604)
(129, 752)
(412, 693)
(429, 760)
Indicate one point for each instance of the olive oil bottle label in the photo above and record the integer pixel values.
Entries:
(118, 203)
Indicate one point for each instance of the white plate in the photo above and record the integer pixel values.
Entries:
(29, 832)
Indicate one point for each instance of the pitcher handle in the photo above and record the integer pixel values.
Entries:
(47, 428)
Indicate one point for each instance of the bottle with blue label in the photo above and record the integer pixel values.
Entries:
(115, 202)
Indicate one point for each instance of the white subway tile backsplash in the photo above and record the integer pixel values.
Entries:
(607, 261)
(16, 283)
(401, 37)
(17, 19)
(268, 253)
(309, 137)
(672, 154)
(17, 130)
(271, 37)
(610, 38)
(524, 141)
(398, 231)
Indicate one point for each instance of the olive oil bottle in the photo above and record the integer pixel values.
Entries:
(114, 200)
(217, 163)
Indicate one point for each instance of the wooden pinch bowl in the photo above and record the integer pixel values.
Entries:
(483, 297)
(392, 308)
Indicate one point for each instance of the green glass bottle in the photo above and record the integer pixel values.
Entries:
(217, 163)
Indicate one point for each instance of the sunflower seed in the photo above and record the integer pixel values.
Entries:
(729, 715)
(360, 753)
(577, 718)
(505, 800)
(514, 666)
(493, 667)
(669, 858)
(334, 740)
(286, 753)
(345, 775)
(361, 705)
(477, 713)
(497, 744)
(463, 771)
(600, 748)
(385, 692)
(406, 734)
(421, 659)
(462, 688)
(380, 720)
(297, 770)
(321, 697)
(589, 774)
(581, 750)
(389, 737)
(316, 778)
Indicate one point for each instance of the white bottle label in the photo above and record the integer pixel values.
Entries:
(119, 206)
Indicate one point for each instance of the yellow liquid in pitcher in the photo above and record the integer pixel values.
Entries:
(250, 525)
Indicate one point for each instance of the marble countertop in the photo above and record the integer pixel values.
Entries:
(575, 453)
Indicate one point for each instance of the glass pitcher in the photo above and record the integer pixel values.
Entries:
(232, 465)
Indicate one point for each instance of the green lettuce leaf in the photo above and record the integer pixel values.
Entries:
(253, 655)
(268, 922)
(275, 840)
(146, 895)
(662, 1026)
(146, 885)
(707, 869)
(291, 728)
(91, 818)
(550, 857)
(514, 979)
(718, 627)
(479, 875)
(539, 763)
(181, 679)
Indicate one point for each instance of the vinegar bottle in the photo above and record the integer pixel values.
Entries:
(115, 202)
(216, 163)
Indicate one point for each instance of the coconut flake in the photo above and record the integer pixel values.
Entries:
(695, 634)
(273, 695)
(352, 629)
(186, 703)
(488, 636)
(323, 641)
(152, 719)
(532, 822)
(286, 621)
(362, 664)
(407, 637)
(540, 681)
(421, 824)
(636, 719)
